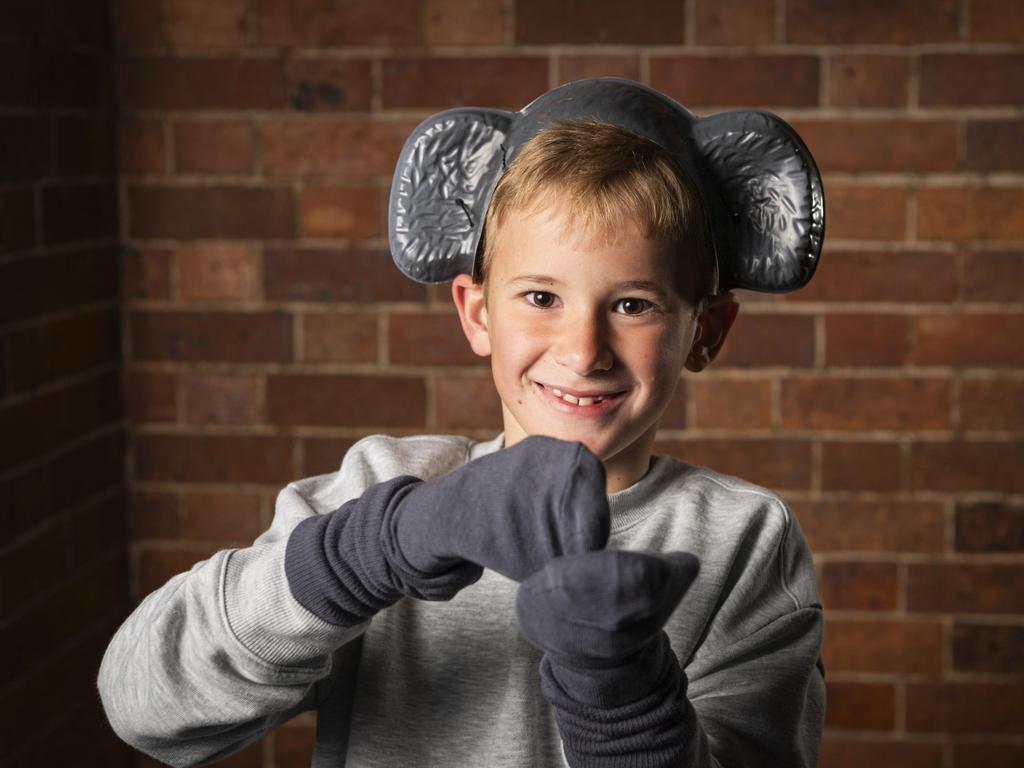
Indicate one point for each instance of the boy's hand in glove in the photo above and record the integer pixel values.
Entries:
(511, 511)
(608, 670)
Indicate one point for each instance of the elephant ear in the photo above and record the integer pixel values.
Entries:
(769, 216)
(445, 175)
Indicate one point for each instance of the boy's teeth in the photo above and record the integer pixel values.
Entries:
(575, 400)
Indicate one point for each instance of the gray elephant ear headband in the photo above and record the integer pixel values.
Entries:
(760, 185)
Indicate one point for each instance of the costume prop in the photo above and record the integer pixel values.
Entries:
(759, 183)
(512, 512)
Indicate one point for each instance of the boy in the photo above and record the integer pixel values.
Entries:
(568, 597)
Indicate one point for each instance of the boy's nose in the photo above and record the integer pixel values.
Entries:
(583, 346)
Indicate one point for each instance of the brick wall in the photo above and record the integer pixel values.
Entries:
(63, 550)
(256, 139)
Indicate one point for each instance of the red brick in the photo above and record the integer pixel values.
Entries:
(46, 352)
(85, 146)
(989, 527)
(600, 21)
(154, 515)
(35, 564)
(864, 80)
(294, 745)
(774, 464)
(867, 213)
(970, 213)
(99, 528)
(321, 455)
(466, 403)
(674, 416)
(966, 340)
(141, 147)
(768, 339)
(996, 21)
(965, 588)
(27, 287)
(853, 404)
(993, 649)
(222, 399)
(965, 708)
(738, 81)
(732, 404)
(147, 274)
(837, 752)
(192, 212)
(881, 276)
(224, 518)
(202, 83)
(155, 567)
(991, 467)
(734, 22)
(994, 145)
(885, 146)
(859, 586)
(992, 404)
(81, 212)
(899, 22)
(347, 212)
(67, 78)
(199, 24)
(346, 401)
(895, 647)
(572, 68)
(428, 339)
(501, 82)
(219, 271)
(860, 706)
(213, 459)
(339, 337)
(138, 24)
(17, 220)
(213, 147)
(866, 340)
(330, 275)
(328, 84)
(972, 79)
(25, 152)
(330, 147)
(853, 466)
(330, 24)
(464, 22)
(969, 754)
(872, 526)
(992, 276)
(241, 337)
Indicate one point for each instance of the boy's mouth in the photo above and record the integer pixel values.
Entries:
(579, 398)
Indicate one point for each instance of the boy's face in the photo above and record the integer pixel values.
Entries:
(587, 336)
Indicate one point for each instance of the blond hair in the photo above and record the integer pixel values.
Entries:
(603, 174)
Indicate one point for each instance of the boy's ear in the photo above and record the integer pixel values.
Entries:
(712, 327)
(472, 307)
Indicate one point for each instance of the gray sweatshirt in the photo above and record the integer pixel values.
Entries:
(222, 654)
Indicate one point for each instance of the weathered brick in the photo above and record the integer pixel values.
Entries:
(294, 745)
(222, 399)
(329, 84)
(141, 147)
(881, 276)
(81, 212)
(138, 24)
(17, 220)
(860, 706)
(25, 152)
(970, 213)
(323, 454)
(734, 22)
(331, 275)
(85, 146)
(194, 212)
(859, 586)
(508, 82)
(599, 21)
(464, 22)
(867, 213)
(732, 404)
(738, 81)
(967, 754)
(993, 649)
(966, 340)
(221, 517)
(156, 566)
(994, 145)
(965, 588)
(241, 337)
(154, 515)
(466, 403)
(853, 404)
(992, 404)
(866, 340)
(204, 146)
(347, 212)
(221, 271)
(329, 24)
(971, 79)
(758, 339)
(339, 337)
(147, 273)
(151, 396)
(674, 416)
(66, 78)
(900, 22)
(989, 527)
(202, 83)
(973, 708)
(872, 526)
(837, 752)
(775, 464)
(321, 147)
(996, 21)
(428, 339)
(886, 646)
(27, 287)
(855, 466)
(32, 564)
(865, 80)
(886, 146)
(572, 68)
(213, 458)
(992, 467)
(346, 401)
(992, 276)
(199, 24)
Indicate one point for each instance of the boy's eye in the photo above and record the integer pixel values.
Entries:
(633, 306)
(541, 299)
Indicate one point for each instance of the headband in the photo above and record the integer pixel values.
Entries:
(759, 183)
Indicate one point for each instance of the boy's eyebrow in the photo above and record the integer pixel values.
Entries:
(635, 285)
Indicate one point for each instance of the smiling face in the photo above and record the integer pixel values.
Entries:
(587, 335)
